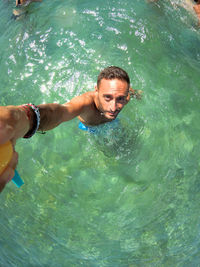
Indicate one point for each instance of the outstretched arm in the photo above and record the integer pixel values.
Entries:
(14, 123)
(54, 114)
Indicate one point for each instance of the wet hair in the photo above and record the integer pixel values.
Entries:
(111, 73)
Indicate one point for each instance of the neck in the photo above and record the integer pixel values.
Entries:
(96, 103)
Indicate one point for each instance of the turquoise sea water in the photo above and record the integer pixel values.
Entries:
(130, 197)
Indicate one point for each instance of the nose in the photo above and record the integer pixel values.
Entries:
(113, 105)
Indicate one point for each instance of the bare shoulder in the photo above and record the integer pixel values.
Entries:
(78, 103)
(84, 99)
(89, 96)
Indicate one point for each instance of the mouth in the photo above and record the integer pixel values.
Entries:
(113, 114)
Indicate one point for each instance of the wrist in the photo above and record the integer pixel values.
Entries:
(33, 116)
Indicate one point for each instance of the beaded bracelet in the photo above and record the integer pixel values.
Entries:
(36, 123)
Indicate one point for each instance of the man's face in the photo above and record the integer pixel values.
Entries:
(111, 97)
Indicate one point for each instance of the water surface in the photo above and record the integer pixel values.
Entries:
(129, 197)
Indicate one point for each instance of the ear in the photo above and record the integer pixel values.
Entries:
(128, 98)
(96, 88)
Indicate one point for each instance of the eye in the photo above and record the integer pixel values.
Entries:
(107, 97)
(121, 99)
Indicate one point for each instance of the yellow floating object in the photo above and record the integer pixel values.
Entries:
(6, 152)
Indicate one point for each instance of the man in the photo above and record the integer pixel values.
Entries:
(188, 4)
(93, 108)
(20, 13)
(197, 9)
(26, 2)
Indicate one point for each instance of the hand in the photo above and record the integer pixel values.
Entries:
(13, 125)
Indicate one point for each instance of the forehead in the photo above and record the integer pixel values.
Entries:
(114, 87)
